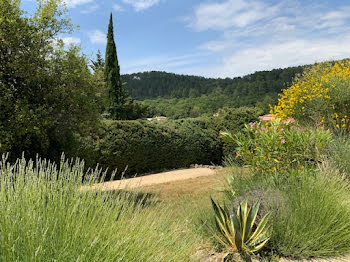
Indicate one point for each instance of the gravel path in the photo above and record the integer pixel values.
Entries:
(155, 179)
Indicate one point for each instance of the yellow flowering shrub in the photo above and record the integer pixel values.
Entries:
(321, 95)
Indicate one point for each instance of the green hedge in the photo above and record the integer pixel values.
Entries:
(144, 146)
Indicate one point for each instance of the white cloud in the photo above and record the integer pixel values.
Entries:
(281, 55)
(92, 8)
(238, 13)
(118, 8)
(335, 18)
(75, 3)
(71, 40)
(215, 45)
(140, 5)
(97, 37)
(255, 35)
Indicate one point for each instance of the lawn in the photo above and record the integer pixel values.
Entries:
(188, 202)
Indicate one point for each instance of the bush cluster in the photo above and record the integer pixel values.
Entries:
(279, 146)
(233, 120)
(320, 96)
(148, 146)
(141, 146)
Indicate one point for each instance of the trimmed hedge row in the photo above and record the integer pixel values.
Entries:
(144, 146)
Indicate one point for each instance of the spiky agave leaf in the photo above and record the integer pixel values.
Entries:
(237, 228)
(238, 232)
(260, 236)
(224, 225)
(250, 215)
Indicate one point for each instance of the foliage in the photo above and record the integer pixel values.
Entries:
(279, 146)
(180, 96)
(203, 106)
(339, 153)
(320, 96)
(234, 119)
(309, 210)
(315, 220)
(131, 109)
(134, 110)
(149, 146)
(146, 146)
(99, 63)
(46, 216)
(113, 81)
(177, 108)
(97, 66)
(47, 92)
(240, 231)
(149, 85)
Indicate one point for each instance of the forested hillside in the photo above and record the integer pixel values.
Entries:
(181, 96)
(155, 84)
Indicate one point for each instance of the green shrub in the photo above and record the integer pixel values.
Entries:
(234, 119)
(46, 216)
(278, 147)
(319, 97)
(339, 153)
(315, 220)
(310, 210)
(147, 146)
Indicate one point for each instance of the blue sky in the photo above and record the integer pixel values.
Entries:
(213, 38)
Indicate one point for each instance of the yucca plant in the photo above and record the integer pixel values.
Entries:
(239, 230)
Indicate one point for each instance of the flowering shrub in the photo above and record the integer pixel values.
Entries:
(321, 95)
(278, 146)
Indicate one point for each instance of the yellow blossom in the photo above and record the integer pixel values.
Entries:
(316, 83)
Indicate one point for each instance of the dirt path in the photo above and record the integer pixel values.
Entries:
(155, 179)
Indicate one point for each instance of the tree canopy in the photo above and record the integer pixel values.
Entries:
(181, 96)
(47, 91)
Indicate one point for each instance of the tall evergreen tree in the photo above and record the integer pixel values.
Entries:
(98, 66)
(114, 85)
(99, 63)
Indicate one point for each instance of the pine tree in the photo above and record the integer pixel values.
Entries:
(102, 95)
(99, 63)
(114, 85)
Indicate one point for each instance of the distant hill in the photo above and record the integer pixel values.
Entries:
(154, 84)
(181, 96)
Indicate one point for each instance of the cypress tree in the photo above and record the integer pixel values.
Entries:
(114, 85)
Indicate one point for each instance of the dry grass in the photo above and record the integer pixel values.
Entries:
(189, 204)
(194, 189)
